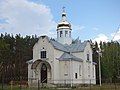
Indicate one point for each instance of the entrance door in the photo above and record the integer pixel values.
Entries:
(44, 73)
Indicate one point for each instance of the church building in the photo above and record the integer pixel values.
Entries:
(62, 60)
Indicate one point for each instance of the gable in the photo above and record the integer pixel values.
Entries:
(88, 47)
(42, 44)
(74, 47)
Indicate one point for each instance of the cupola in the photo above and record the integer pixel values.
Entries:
(64, 30)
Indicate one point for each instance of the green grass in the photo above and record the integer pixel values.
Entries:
(95, 87)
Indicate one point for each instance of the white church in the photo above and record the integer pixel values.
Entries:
(62, 60)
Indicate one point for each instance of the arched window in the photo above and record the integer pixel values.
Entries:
(66, 32)
(61, 33)
(93, 71)
(65, 69)
(69, 33)
(80, 70)
(88, 71)
(43, 53)
(88, 57)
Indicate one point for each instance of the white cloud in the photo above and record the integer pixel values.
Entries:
(116, 36)
(101, 37)
(25, 17)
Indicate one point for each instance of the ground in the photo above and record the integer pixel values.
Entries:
(89, 87)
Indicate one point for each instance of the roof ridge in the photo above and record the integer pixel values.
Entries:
(67, 56)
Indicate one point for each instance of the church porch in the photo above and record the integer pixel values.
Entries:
(41, 73)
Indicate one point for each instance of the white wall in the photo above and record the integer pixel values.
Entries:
(88, 65)
(43, 43)
(64, 39)
(59, 69)
(56, 65)
(76, 69)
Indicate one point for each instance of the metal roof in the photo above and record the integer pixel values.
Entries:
(58, 45)
(78, 47)
(67, 56)
(74, 47)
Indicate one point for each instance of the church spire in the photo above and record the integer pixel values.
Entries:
(64, 30)
(64, 24)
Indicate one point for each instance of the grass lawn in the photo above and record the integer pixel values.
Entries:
(96, 87)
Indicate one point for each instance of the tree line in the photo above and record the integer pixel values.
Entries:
(16, 50)
(109, 59)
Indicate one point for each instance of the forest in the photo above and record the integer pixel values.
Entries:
(16, 50)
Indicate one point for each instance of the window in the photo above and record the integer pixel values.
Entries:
(57, 34)
(88, 57)
(65, 69)
(93, 71)
(80, 70)
(69, 33)
(43, 54)
(60, 33)
(66, 32)
(88, 71)
(76, 75)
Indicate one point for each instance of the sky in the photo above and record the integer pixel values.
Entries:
(90, 19)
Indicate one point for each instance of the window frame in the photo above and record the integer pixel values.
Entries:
(76, 76)
(69, 33)
(88, 71)
(43, 54)
(66, 33)
(80, 70)
(61, 32)
(88, 56)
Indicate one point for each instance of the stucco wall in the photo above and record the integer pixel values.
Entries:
(88, 65)
(56, 65)
(44, 44)
(64, 70)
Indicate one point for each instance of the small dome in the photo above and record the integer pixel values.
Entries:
(64, 25)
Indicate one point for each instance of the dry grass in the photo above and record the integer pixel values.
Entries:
(95, 87)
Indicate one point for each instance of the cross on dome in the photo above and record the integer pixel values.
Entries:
(63, 14)
(63, 9)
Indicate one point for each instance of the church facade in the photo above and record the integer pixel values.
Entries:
(62, 61)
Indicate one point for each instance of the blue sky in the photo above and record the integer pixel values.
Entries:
(90, 19)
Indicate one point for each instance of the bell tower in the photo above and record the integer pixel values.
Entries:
(64, 30)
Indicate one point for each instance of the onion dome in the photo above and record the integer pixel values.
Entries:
(63, 24)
